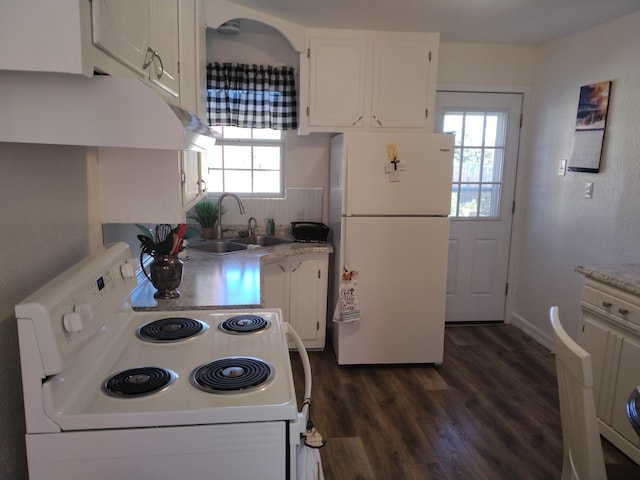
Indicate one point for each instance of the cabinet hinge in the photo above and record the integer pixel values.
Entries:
(426, 113)
(317, 325)
(513, 207)
(183, 177)
(429, 55)
(178, 68)
(307, 111)
(521, 120)
(308, 53)
(319, 274)
(506, 289)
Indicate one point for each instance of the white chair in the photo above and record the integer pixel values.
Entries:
(583, 457)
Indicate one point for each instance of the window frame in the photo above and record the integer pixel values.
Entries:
(250, 142)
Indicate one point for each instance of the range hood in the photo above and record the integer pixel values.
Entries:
(100, 111)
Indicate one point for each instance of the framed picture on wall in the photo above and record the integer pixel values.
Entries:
(591, 122)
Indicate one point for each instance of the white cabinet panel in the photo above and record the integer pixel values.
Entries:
(298, 286)
(142, 35)
(338, 75)
(610, 334)
(365, 80)
(147, 186)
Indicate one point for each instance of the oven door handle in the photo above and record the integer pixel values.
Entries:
(306, 366)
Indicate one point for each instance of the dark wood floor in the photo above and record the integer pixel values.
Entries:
(490, 411)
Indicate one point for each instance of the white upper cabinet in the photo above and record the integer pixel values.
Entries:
(148, 186)
(37, 36)
(143, 35)
(364, 80)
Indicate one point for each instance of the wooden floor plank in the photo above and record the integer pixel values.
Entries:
(489, 411)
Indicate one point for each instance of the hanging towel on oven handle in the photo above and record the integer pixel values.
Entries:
(347, 308)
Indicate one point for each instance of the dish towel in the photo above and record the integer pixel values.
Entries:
(347, 308)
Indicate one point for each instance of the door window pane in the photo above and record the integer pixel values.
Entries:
(477, 162)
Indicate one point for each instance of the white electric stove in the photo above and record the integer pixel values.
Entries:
(111, 393)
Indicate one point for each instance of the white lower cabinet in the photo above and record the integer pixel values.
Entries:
(298, 286)
(614, 344)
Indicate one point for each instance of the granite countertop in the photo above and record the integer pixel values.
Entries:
(626, 277)
(211, 282)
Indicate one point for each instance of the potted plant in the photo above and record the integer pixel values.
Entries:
(205, 213)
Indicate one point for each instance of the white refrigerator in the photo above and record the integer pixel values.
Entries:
(390, 226)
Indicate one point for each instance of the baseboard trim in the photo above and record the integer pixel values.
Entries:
(543, 338)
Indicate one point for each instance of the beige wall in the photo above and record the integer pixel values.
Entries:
(487, 65)
(560, 229)
(44, 217)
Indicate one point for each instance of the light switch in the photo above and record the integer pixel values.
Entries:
(588, 190)
(562, 168)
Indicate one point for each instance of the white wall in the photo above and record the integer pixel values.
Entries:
(559, 228)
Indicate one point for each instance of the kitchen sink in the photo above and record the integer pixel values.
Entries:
(262, 240)
(218, 246)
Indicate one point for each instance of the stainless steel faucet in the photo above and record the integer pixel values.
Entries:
(218, 233)
(251, 226)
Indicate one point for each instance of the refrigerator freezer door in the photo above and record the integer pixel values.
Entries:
(420, 186)
(401, 287)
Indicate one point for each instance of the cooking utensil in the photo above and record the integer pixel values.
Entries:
(163, 230)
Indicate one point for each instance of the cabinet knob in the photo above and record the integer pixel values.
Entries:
(623, 311)
(607, 304)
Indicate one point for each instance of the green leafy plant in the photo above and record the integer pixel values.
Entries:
(205, 213)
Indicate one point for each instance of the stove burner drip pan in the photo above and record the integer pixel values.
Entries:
(244, 324)
(137, 382)
(232, 375)
(171, 329)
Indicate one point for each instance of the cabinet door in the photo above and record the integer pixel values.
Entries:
(164, 40)
(305, 297)
(140, 186)
(192, 180)
(628, 378)
(594, 338)
(275, 278)
(400, 82)
(123, 29)
(337, 82)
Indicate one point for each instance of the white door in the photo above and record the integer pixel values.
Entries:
(487, 133)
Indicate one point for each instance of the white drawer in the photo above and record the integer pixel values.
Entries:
(616, 305)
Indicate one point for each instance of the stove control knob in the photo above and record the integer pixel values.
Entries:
(127, 270)
(72, 322)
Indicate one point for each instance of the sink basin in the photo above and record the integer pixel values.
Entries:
(262, 240)
(218, 246)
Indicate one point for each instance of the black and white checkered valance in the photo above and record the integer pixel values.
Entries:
(251, 96)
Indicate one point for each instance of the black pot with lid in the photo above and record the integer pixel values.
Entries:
(309, 231)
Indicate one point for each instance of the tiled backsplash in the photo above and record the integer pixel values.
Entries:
(298, 204)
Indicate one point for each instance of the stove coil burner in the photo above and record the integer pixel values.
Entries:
(137, 382)
(171, 329)
(232, 375)
(244, 324)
